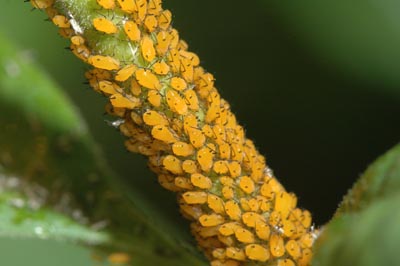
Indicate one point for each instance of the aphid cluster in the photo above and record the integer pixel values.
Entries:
(173, 114)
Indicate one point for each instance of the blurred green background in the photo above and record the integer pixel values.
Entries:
(315, 84)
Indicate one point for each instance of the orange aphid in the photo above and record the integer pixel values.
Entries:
(151, 23)
(251, 219)
(257, 252)
(127, 5)
(276, 245)
(227, 192)
(219, 253)
(147, 79)
(178, 84)
(232, 209)
(234, 169)
(288, 227)
(147, 48)
(271, 188)
(125, 73)
(61, 21)
(154, 97)
(286, 262)
(195, 197)
(235, 253)
(176, 103)
(224, 151)
(107, 87)
(163, 42)
(127, 101)
(154, 7)
(215, 203)
(244, 235)
(167, 182)
(293, 249)
(104, 25)
(205, 157)
(191, 100)
(107, 4)
(226, 180)
(164, 134)
(201, 181)
(284, 203)
(183, 183)
(77, 40)
(41, 4)
(274, 218)
(228, 229)
(182, 149)
(164, 20)
(153, 118)
(247, 184)
(161, 68)
(104, 62)
(211, 219)
(173, 164)
(189, 166)
(220, 167)
(305, 258)
(262, 230)
(132, 31)
(141, 6)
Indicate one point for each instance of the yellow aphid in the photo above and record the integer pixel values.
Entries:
(226, 181)
(195, 197)
(104, 62)
(288, 228)
(186, 69)
(125, 73)
(119, 258)
(176, 103)
(237, 152)
(182, 45)
(262, 230)
(107, 4)
(189, 166)
(201, 181)
(306, 219)
(219, 253)
(41, 4)
(286, 262)
(211, 220)
(219, 133)
(234, 169)
(220, 167)
(257, 170)
(154, 97)
(107, 87)
(135, 87)
(154, 7)
(257, 252)
(305, 258)
(233, 210)
(215, 203)
(235, 253)
(104, 25)
(66, 32)
(206, 232)
(164, 20)
(173, 60)
(164, 134)
(293, 249)
(244, 203)
(307, 240)
(141, 6)
(205, 157)
(127, 101)
(153, 118)
(147, 79)
(254, 205)
(163, 42)
(227, 240)
(207, 130)
(161, 68)
(191, 57)
(276, 245)
(173, 164)
(251, 219)
(224, 151)
(284, 203)
(127, 5)
(167, 182)
(61, 21)
(182, 149)
(150, 23)
(77, 40)
(132, 31)
(227, 192)
(136, 118)
(119, 112)
(196, 137)
(244, 235)
(183, 182)
(228, 229)
(191, 100)
(247, 184)
(147, 48)
(274, 218)
(178, 84)
(271, 188)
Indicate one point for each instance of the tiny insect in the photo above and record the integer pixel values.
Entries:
(276, 245)
(201, 181)
(176, 103)
(107, 4)
(215, 203)
(61, 21)
(195, 197)
(164, 134)
(147, 79)
(164, 20)
(153, 118)
(173, 164)
(104, 25)
(233, 210)
(211, 220)
(151, 23)
(235, 253)
(104, 62)
(147, 48)
(247, 184)
(125, 73)
(132, 31)
(257, 252)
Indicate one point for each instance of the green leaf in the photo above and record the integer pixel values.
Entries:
(365, 230)
(45, 143)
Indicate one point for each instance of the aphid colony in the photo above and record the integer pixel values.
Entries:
(173, 114)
